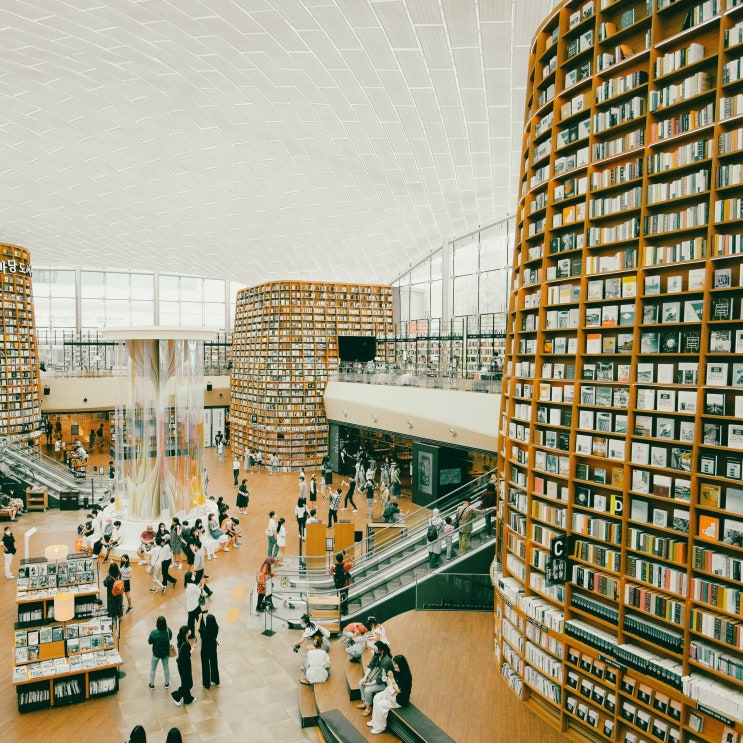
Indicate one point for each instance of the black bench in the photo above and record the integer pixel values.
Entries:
(336, 728)
(410, 725)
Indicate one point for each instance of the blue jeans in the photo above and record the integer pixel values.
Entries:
(153, 668)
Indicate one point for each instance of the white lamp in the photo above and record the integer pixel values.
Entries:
(55, 552)
(64, 606)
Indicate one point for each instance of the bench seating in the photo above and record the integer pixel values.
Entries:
(6, 514)
(412, 726)
(308, 711)
(336, 728)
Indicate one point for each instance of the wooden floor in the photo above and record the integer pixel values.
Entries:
(456, 682)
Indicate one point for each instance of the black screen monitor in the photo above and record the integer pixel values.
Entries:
(357, 347)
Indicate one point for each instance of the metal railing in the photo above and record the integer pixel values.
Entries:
(426, 380)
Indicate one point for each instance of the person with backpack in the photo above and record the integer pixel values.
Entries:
(160, 638)
(114, 592)
(435, 527)
(341, 573)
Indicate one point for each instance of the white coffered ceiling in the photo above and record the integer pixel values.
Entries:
(258, 139)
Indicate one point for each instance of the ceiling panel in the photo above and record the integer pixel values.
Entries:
(289, 138)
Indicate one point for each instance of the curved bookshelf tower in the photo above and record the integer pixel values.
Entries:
(619, 606)
(20, 402)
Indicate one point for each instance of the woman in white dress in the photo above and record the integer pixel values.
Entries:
(316, 666)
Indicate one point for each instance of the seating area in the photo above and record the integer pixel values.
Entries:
(408, 724)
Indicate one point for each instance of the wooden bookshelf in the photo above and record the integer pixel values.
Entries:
(20, 402)
(58, 663)
(620, 441)
(285, 342)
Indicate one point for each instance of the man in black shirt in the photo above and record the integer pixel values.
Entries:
(9, 549)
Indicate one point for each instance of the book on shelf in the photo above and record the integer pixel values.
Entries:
(709, 526)
(712, 434)
(608, 344)
(736, 378)
(739, 341)
(666, 400)
(687, 372)
(708, 464)
(649, 343)
(681, 489)
(658, 456)
(690, 341)
(732, 531)
(669, 341)
(652, 284)
(643, 425)
(662, 486)
(646, 398)
(720, 340)
(650, 314)
(734, 500)
(735, 435)
(664, 373)
(665, 428)
(639, 510)
(593, 343)
(717, 374)
(625, 342)
(723, 278)
(640, 452)
(641, 481)
(709, 495)
(697, 278)
(733, 468)
(629, 286)
(671, 312)
(595, 289)
(693, 310)
(722, 308)
(681, 458)
(612, 288)
(624, 373)
(645, 372)
(674, 284)
(627, 315)
(610, 316)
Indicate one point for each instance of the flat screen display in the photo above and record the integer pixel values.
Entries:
(357, 347)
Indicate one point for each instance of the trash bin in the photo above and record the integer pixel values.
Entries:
(69, 500)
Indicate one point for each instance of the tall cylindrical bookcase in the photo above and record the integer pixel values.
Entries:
(619, 606)
(20, 404)
(284, 345)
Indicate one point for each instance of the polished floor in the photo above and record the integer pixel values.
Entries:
(257, 698)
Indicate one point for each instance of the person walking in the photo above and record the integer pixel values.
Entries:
(126, 570)
(9, 549)
(273, 547)
(313, 489)
(183, 695)
(166, 558)
(348, 498)
(274, 464)
(334, 501)
(208, 631)
(235, 469)
(155, 567)
(160, 638)
(176, 542)
(198, 566)
(193, 607)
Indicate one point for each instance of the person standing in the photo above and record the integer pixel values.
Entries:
(488, 503)
(235, 469)
(176, 542)
(313, 489)
(273, 547)
(300, 511)
(465, 516)
(91, 440)
(327, 474)
(160, 638)
(183, 695)
(274, 464)
(369, 493)
(303, 489)
(99, 434)
(243, 497)
(435, 527)
(125, 568)
(263, 578)
(9, 549)
(334, 501)
(281, 539)
(208, 630)
(114, 601)
(341, 572)
(156, 566)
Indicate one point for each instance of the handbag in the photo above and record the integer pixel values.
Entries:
(172, 652)
(202, 599)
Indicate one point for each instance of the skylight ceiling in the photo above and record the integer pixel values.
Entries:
(259, 139)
